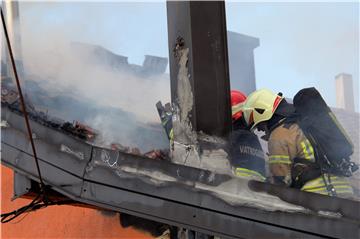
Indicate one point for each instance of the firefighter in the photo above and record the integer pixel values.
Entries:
(291, 155)
(246, 154)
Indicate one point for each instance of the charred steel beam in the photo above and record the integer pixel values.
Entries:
(199, 64)
(183, 196)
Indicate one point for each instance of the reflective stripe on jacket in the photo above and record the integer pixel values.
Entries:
(249, 174)
(341, 186)
(282, 159)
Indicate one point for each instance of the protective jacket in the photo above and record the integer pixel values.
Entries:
(246, 155)
(292, 162)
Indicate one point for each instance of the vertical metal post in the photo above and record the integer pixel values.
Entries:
(199, 71)
(12, 17)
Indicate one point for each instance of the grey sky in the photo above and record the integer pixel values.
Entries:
(301, 44)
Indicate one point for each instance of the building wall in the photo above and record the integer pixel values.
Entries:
(241, 61)
(152, 65)
(58, 221)
(344, 92)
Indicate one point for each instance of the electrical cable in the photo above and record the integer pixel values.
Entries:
(22, 101)
(37, 203)
(41, 199)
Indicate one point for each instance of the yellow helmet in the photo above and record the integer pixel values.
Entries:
(260, 106)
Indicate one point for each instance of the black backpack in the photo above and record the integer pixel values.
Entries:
(331, 143)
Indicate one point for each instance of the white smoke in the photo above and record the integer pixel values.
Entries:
(50, 58)
(75, 73)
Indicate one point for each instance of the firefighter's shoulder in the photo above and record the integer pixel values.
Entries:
(285, 132)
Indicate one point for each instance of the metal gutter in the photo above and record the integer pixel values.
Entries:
(120, 182)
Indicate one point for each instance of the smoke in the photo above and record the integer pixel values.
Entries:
(80, 85)
(67, 71)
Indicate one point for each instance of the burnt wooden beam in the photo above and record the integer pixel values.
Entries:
(199, 73)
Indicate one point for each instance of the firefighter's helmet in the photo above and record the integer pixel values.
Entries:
(237, 101)
(260, 106)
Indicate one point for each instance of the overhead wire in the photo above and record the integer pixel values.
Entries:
(41, 200)
(36, 203)
(22, 101)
